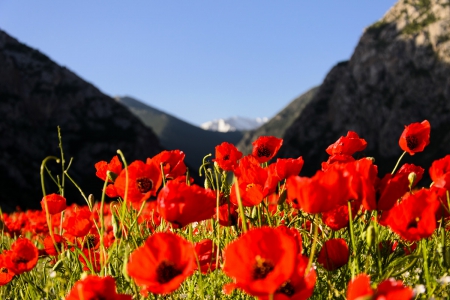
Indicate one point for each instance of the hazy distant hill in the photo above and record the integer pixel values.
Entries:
(399, 73)
(177, 134)
(277, 125)
(37, 95)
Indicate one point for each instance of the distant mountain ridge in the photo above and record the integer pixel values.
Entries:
(235, 123)
(36, 96)
(277, 125)
(174, 133)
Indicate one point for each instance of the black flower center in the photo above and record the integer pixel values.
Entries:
(412, 142)
(413, 224)
(262, 268)
(20, 260)
(287, 289)
(166, 271)
(226, 157)
(144, 184)
(90, 240)
(263, 151)
(4, 270)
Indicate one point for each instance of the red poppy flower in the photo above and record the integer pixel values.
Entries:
(181, 204)
(22, 257)
(323, 192)
(167, 260)
(415, 137)
(94, 287)
(78, 223)
(260, 261)
(49, 244)
(55, 203)
(334, 254)
(266, 147)
(143, 181)
(390, 289)
(295, 234)
(91, 240)
(6, 275)
(440, 172)
(347, 145)
(414, 217)
(251, 179)
(359, 287)
(111, 191)
(172, 163)
(338, 158)
(280, 170)
(300, 286)
(227, 156)
(338, 218)
(393, 187)
(206, 254)
(114, 167)
(362, 177)
(228, 215)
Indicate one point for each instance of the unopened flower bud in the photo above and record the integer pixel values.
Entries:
(371, 158)
(111, 175)
(207, 184)
(369, 236)
(91, 200)
(412, 179)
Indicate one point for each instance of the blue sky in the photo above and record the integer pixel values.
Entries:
(197, 60)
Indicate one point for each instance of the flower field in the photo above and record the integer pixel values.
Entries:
(253, 229)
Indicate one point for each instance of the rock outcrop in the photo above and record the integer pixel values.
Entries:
(36, 96)
(399, 73)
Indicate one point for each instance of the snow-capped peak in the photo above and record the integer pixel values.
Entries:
(234, 124)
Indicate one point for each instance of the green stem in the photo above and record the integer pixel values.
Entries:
(241, 207)
(377, 248)
(425, 266)
(313, 247)
(352, 239)
(62, 162)
(398, 162)
(81, 191)
(44, 162)
(124, 205)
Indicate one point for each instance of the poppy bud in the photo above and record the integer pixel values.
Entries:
(208, 184)
(412, 179)
(111, 176)
(371, 158)
(91, 200)
(369, 236)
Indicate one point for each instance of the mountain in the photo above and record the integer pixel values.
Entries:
(177, 134)
(399, 73)
(234, 124)
(277, 125)
(36, 96)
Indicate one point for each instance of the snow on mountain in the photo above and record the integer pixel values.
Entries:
(234, 124)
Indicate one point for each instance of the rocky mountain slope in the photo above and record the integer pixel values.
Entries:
(399, 73)
(36, 96)
(277, 125)
(177, 134)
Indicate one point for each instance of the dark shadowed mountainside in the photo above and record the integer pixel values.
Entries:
(36, 96)
(399, 73)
